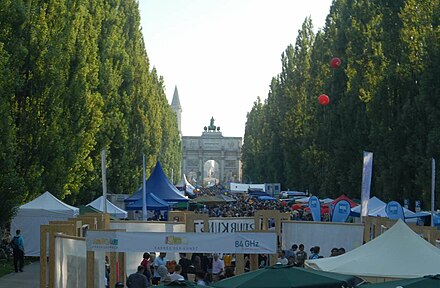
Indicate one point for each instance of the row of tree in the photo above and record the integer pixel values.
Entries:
(74, 79)
(384, 98)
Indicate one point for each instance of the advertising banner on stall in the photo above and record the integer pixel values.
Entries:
(341, 211)
(241, 243)
(395, 211)
(226, 225)
(315, 208)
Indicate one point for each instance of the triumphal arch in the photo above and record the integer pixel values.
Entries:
(211, 158)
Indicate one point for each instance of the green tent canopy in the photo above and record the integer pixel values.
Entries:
(182, 284)
(287, 276)
(421, 282)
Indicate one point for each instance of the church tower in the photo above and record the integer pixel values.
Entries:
(175, 105)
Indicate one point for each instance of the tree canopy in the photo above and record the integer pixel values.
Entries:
(75, 78)
(383, 99)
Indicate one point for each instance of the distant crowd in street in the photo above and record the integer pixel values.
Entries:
(245, 206)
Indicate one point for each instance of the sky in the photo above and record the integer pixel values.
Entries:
(222, 54)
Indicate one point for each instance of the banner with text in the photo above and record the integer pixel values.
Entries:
(226, 225)
(241, 243)
(395, 211)
(315, 208)
(341, 211)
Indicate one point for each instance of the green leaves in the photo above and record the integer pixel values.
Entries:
(383, 98)
(75, 78)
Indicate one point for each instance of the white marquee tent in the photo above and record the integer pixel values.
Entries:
(377, 208)
(112, 209)
(397, 253)
(39, 211)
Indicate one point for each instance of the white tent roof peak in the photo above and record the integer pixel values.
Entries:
(112, 209)
(48, 202)
(397, 253)
(40, 211)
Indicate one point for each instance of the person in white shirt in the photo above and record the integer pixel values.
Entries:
(176, 275)
(218, 267)
(282, 258)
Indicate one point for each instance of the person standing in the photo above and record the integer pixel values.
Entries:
(184, 263)
(159, 261)
(301, 256)
(218, 267)
(17, 244)
(146, 264)
(138, 279)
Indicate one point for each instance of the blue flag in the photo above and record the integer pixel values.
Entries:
(315, 208)
(395, 211)
(341, 211)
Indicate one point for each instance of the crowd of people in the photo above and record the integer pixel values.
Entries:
(201, 268)
(205, 268)
(243, 206)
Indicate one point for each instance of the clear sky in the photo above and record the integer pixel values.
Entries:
(222, 54)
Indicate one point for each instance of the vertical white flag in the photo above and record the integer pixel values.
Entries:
(367, 171)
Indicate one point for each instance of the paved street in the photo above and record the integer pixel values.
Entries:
(30, 278)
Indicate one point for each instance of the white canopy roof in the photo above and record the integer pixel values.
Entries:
(377, 208)
(397, 253)
(47, 201)
(39, 211)
(112, 209)
(373, 203)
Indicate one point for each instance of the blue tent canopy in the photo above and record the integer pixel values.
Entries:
(153, 203)
(159, 185)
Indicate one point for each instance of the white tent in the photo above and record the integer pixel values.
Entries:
(112, 209)
(39, 211)
(397, 253)
(373, 204)
(185, 183)
(377, 208)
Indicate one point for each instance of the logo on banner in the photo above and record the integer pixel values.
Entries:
(315, 208)
(173, 240)
(341, 211)
(181, 243)
(395, 211)
(106, 243)
(418, 206)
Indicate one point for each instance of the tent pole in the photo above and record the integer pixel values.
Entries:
(144, 191)
(432, 192)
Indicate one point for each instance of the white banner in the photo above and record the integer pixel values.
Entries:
(366, 182)
(226, 225)
(241, 243)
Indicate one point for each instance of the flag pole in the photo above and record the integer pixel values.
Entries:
(144, 191)
(104, 179)
(432, 192)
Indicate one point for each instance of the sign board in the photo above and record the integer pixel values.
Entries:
(226, 225)
(241, 243)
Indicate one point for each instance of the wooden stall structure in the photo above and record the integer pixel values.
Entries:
(75, 227)
(375, 226)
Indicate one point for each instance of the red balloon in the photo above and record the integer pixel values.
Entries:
(323, 99)
(335, 62)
